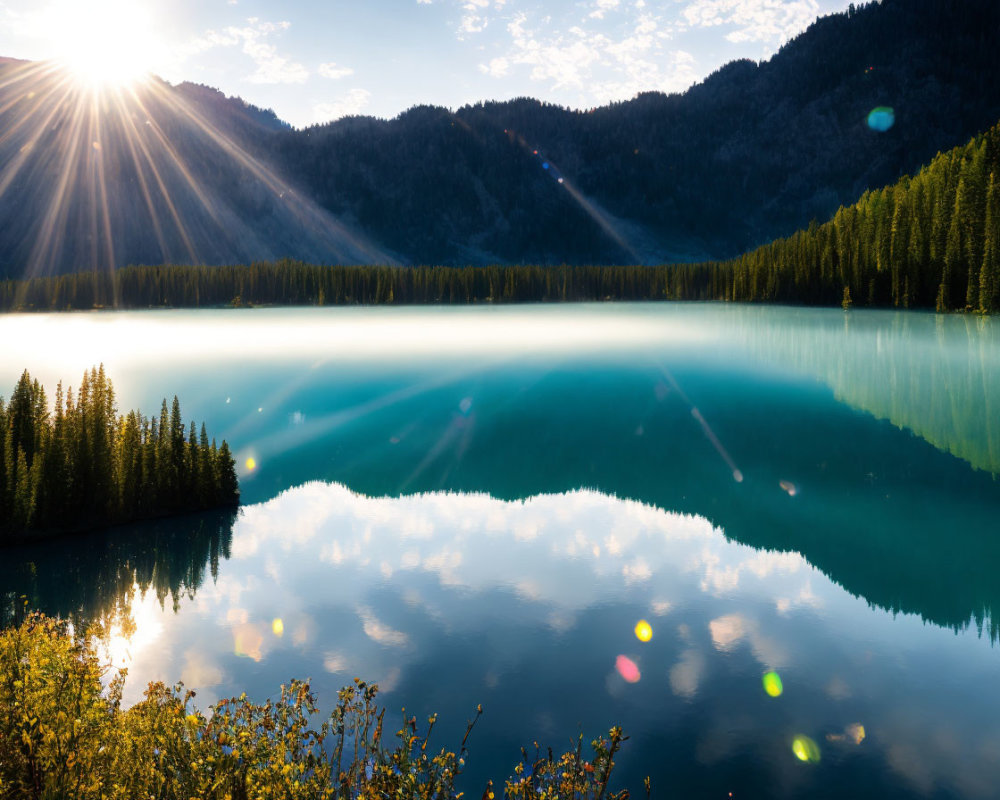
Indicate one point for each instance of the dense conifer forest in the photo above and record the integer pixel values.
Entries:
(930, 241)
(83, 465)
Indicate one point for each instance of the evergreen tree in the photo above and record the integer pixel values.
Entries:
(85, 466)
(989, 275)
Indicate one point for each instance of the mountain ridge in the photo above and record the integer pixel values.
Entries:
(750, 154)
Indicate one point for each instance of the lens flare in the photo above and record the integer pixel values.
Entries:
(248, 642)
(881, 118)
(643, 631)
(789, 487)
(853, 734)
(772, 684)
(278, 627)
(805, 749)
(628, 669)
(251, 464)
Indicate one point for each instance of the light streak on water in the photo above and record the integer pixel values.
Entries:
(706, 428)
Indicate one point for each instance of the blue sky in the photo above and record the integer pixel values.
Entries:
(316, 60)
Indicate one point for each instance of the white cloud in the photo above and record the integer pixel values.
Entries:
(476, 15)
(603, 7)
(686, 675)
(252, 39)
(601, 66)
(353, 102)
(753, 20)
(333, 71)
(497, 68)
(380, 632)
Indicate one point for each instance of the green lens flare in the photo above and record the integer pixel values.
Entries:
(805, 749)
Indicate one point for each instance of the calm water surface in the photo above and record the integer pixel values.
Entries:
(477, 505)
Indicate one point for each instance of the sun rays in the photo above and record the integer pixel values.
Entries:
(96, 175)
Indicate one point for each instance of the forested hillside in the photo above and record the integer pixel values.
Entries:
(153, 175)
(930, 241)
(752, 153)
(183, 175)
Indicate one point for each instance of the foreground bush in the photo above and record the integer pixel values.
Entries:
(64, 733)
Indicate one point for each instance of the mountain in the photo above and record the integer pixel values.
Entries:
(927, 241)
(752, 153)
(149, 175)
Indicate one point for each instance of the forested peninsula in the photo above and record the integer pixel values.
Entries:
(929, 241)
(82, 465)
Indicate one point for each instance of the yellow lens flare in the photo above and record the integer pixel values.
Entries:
(772, 684)
(251, 464)
(102, 42)
(278, 627)
(805, 749)
(643, 631)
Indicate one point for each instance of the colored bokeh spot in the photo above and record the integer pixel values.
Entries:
(772, 684)
(251, 464)
(805, 749)
(278, 626)
(628, 669)
(881, 118)
(643, 631)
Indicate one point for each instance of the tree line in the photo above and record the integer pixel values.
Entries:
(930, 241)
(83, 465)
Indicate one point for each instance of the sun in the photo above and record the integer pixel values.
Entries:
(103, 42)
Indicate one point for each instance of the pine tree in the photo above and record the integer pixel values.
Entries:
(228, 491)
(85, 465)
(989, 274)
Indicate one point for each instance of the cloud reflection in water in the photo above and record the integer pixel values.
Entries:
(530, 607)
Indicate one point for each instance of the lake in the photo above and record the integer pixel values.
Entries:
(478, 505)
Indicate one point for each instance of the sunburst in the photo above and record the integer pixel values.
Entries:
(104, 43)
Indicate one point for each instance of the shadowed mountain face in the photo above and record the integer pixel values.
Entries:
(182, 174)
(152, 174)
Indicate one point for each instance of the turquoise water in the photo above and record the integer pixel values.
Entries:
(478, 504)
